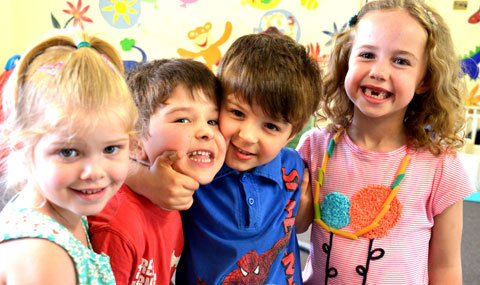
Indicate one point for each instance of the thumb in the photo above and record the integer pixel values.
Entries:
(168, 158)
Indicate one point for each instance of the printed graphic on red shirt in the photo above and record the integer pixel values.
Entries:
(145, 273)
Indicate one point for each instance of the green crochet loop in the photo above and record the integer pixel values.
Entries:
(320, 177)
(330, 147)
(316, 208)
(397, 180)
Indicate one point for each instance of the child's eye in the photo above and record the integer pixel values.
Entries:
(182, 121)
(213, 122)
(271, 127)
(68, 153)
(401, 61)
(237, 113)
(111, 149)
(367, 55)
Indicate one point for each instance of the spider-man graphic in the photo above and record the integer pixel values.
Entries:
(253, 268)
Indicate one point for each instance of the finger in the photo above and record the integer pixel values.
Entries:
(167, 157)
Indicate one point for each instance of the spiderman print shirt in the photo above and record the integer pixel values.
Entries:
(240, 229)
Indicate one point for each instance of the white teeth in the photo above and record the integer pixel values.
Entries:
(204, 156)
(91, 191)
(375, 94)
(243, 152)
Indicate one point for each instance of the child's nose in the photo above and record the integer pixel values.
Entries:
(205, 132)
(92, 170)
(248, 133)
(379, 72)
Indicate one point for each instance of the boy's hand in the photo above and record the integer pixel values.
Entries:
(162, 184)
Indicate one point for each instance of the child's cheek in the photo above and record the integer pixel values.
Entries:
(168, 139)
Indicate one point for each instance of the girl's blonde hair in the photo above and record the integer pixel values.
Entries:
(59, 87)
(434, 119)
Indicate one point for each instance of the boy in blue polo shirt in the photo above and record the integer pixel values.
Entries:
(240, 228)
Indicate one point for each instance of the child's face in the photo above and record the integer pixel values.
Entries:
(253, 138)
(189, 126)
(79, 175)
(387, 64)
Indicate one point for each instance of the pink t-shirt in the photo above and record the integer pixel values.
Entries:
(431, 184)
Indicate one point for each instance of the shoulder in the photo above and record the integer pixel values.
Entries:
(120, 217)
(47, 262)
(313, 143)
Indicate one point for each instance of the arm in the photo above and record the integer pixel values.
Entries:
(444, 260)
(35, 261)
(305, 208)
(162, 185)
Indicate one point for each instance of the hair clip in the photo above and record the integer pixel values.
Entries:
(83, 44)
(353, 20)
(51, 69)
(107, 61)
(431, 17)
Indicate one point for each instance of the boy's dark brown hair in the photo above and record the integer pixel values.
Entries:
(275, 73)
(151, 84)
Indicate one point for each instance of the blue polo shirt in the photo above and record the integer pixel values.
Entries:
(240, 228)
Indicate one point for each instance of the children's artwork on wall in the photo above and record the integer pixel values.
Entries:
(154, 2)
(475, 18)
(121, 14)
(473, 98)
(202, 41)
(334, 33)
(127, 45)
(185, 2)
(263, 4)
(283, 20)
(78, 16)
(309, 4)
(470, 63)
(321, 59)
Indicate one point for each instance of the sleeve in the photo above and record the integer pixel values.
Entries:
(453, 185)
(304, 148)
(120, 252)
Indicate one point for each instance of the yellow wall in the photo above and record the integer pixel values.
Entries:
(163, 25)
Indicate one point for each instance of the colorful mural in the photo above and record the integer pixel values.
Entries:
(78, 16)
(202, 41)
(283, 20)
(121, 14)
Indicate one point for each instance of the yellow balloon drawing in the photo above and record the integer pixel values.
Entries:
(262, 4)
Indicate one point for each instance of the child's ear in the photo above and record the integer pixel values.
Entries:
(138, 152)
(423, 87)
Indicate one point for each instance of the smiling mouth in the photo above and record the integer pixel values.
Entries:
(90, 191)
(244, 152)
(376, 94)
(201, 156)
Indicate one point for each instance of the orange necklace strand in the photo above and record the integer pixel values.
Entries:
(385, 206)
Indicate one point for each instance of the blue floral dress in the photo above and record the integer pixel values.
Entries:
(18, 223)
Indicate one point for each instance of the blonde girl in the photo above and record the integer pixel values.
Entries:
(388, 184)
(68, 129)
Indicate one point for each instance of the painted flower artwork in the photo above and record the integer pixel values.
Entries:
(77, 15)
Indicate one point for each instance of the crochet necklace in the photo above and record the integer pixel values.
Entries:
(364, 227)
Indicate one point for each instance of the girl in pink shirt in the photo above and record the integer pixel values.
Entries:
(388, 185)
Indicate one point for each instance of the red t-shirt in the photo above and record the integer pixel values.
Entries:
(144, 242)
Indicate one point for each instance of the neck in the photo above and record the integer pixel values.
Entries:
(66, 218)
(377, 134)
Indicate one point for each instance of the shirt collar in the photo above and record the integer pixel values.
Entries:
(271, 170)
